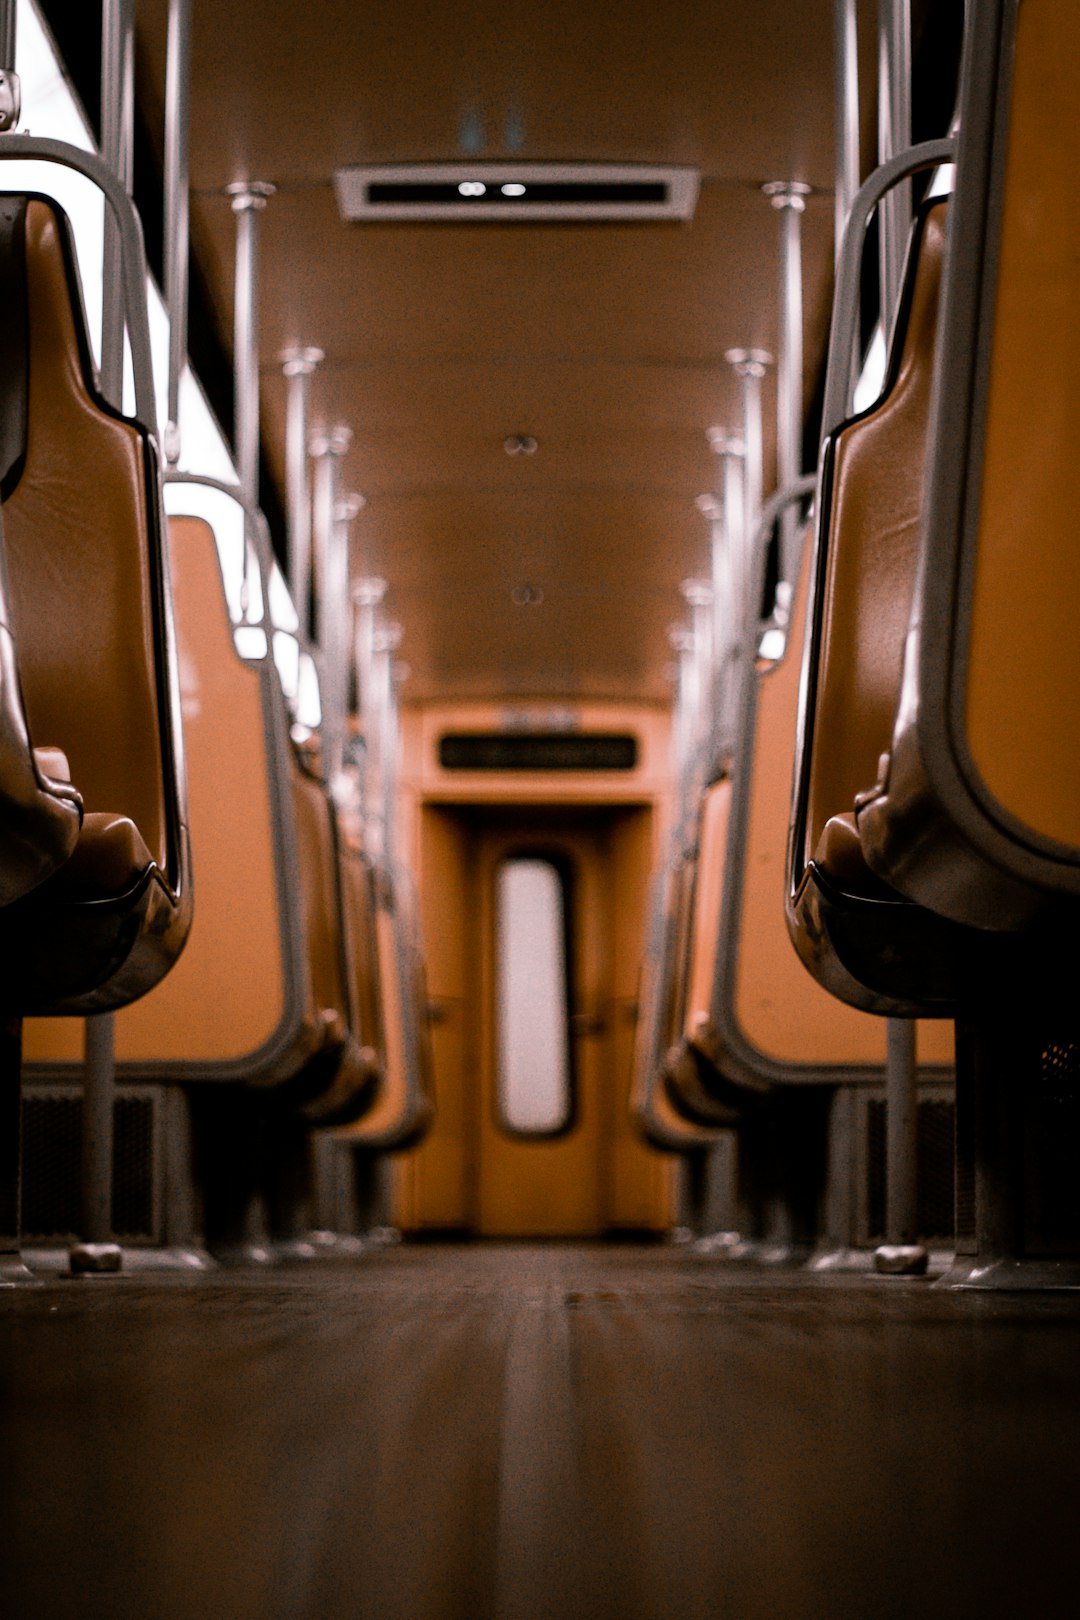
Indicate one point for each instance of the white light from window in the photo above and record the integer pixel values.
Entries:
(283, 614)
(308, 704)
(532, 1011)
(871, 378)
(49, 108)
(771, 646)
(243, 586)
(942, 181)
(250, 641)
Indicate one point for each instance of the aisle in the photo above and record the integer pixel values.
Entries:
(438, 1433)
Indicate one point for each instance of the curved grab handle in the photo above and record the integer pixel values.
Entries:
(797, 490)
(256, 534)
(43, 149)
(845, 310)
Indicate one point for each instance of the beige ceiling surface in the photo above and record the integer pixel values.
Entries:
(605, 343)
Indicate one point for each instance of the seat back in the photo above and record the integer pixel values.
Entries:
(871, 508)
(40, 810)
(90, 617)
(978, 814)
(390, 966)
(770, 1022)
(858, 935)
(259, 992)
(84, 555)
(662, 1001)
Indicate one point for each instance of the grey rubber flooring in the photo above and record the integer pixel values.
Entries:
(532, 1431)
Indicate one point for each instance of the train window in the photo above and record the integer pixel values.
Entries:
(240, 572)
(534, 1089)
(283, 615)
(51, 109)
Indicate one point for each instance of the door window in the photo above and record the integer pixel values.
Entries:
(535, 1090)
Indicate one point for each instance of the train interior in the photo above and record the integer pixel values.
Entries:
(539, 810)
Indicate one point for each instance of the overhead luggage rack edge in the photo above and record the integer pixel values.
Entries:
(484, 192)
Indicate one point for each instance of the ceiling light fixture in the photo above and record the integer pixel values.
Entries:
(593, 192)
(521, 444)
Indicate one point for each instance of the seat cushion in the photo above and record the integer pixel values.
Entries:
(108, 860)
(840, 856)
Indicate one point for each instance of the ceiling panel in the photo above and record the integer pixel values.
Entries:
(604, 342)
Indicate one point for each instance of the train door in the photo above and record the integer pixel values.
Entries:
(542, 1021)
(534, 921)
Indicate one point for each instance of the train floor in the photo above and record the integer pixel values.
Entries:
(523, 1431)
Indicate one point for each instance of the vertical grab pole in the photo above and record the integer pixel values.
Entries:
(681, 638)
(248, 201)
(894, 135)
(900, 1253)
(730, 532)
(96, 1251)
(12, 1268)
(367, 593)
(698, 594)
(749, 366)
(346, 509)
(730, 538)
(177, 210)
(848, 166)
(387, 642)
(331, 596)
(299, 366)
(720, 618)
(117, 123)
(788, 197)
(848, 143)
(10, 93)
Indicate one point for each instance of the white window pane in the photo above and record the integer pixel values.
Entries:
(533, 1049)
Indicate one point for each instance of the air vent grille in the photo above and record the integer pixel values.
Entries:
(485, 192)
(52, 1130)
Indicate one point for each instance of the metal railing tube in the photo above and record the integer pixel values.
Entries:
(177, 211)
(10, 94)
(248, 200)
(749, 366)
(331, 595)
(117, 149)
(387, 641)
(299, 366)
(848, 166)
(788, 197)
(894, 135)
(844, 325)
(96, 1250)
(367, 593)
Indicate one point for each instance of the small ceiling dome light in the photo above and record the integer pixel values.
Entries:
(520, 444)
(527, 595)
(472, 188)
(514, 188)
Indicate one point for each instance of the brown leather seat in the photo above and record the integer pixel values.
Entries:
(257, 996)
(666, 1090)
(40, 810)
(977, 811)
(90, 619)
(766, 1022)
(389, 988)
(861, 939)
